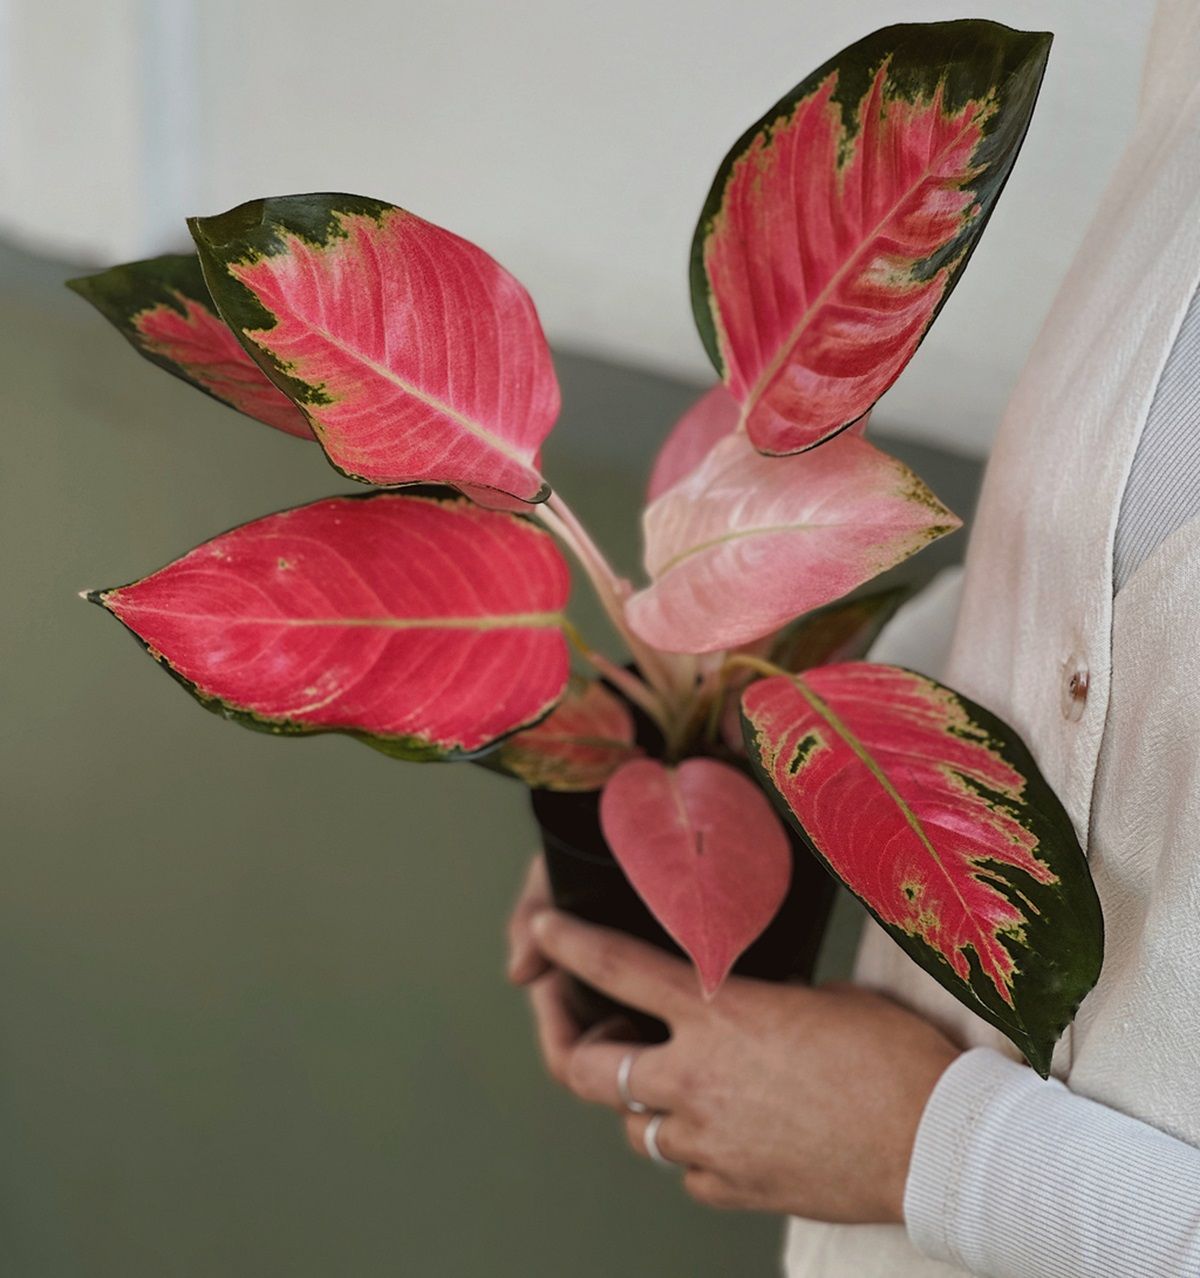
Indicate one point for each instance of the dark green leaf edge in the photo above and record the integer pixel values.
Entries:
(1064, 977)
(406, 748)
(922, 54)
(123, 292)
(255, 230)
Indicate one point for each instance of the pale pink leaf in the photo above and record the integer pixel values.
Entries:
(713, 416)
(746, 543)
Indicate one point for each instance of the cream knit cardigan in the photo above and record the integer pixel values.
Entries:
(1037, 611)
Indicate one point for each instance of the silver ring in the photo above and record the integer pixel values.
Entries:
(623, 1072)
(651, 1141)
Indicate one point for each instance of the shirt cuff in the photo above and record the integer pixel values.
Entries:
(1013, 1176)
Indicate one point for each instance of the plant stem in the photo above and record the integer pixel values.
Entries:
(712, 720)
(633, 688)
(612, 591)
(744, 661)
(712, 698)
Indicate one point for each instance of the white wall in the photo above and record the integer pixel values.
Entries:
(98, 146)
(576, 140)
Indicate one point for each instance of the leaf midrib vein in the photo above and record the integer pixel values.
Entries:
(759, 530)
(826, 712)
(431, 401)
(767, 377)
(509, 621)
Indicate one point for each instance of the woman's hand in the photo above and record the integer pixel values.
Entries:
(525, 960)
(777, 1098)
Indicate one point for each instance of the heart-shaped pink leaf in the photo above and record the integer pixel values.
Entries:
(427, 628)
(162, 308)
(414, 355)
(704, 850)
(713, 416)
(745, 543)
(587, 737)
(934, 814)
(838, 224)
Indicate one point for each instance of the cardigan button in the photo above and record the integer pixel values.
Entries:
(1074, 692)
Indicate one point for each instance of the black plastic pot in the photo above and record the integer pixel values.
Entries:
(586, 881)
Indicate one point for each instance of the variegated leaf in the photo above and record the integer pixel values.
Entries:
(414, 355)
(746, 543)
(934, 814)
(162, 308)
(838, 224)
(587, 737)
(702, 847)
(427, 628)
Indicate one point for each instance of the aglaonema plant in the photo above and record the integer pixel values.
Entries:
(426, 617)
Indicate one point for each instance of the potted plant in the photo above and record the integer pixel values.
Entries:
(745, 745)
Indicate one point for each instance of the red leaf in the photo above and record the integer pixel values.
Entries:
(589, 735)
(416, 357)
(839, 223)
(429, 628)
(932, 812)
(713, 416)
(162, 308)
(704, 850)
(745, 543)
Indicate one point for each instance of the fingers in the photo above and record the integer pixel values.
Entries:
(596, 1062)
(557, 1030)
(630, 971)
(674, 1137)
(525, 961)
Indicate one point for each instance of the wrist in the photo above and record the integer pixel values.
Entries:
(920, 1092)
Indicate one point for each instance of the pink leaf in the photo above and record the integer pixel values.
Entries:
(934, 814)
(415, 356)
(745, 543)
(162, 308)
(839, 223)
(702, 847)
(196, 339)
(428, 628)
(713, 416)
(587, 737)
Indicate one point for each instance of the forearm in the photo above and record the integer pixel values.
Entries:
(1013, 1177)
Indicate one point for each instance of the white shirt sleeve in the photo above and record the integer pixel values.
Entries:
(1016, 1177)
